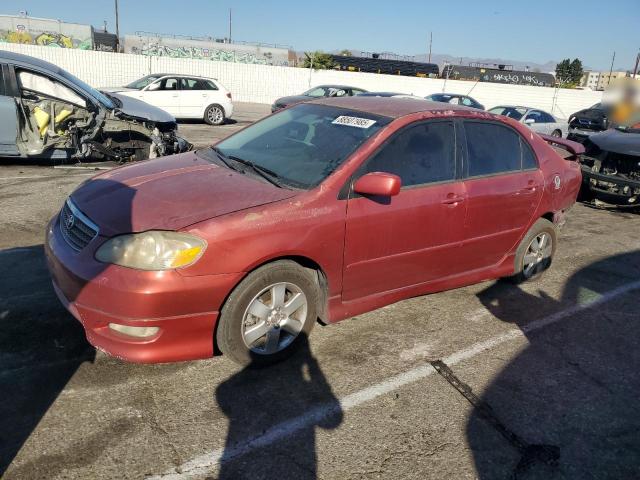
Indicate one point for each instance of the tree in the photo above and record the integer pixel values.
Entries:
(569, 73)
(346, 53)
(318, 60)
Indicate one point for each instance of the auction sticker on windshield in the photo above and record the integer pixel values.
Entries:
(353, 121)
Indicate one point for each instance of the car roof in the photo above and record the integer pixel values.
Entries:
(11, 57)
(181, 75)
(336, 86)
(390, 106)
(445, 94)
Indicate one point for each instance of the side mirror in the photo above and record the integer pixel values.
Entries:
(529, 121)
(378, 184)
(153, 86)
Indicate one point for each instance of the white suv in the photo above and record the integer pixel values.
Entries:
(183, 96)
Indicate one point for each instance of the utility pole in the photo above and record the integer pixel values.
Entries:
(430, 44)
(229, 25)
(117, 29)
(611, 69)
(635, 69)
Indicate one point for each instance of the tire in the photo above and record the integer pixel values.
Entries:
(531, 262)
(249, 311)
(556, 133)
(214, 115)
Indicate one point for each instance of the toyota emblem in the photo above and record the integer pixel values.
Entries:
(70, 221)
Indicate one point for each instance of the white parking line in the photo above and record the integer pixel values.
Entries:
(204, 463)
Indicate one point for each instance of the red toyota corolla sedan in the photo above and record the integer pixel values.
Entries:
(324, 210)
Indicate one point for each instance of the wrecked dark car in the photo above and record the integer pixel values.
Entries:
(586, 122)
(45, 112)
(611, 167)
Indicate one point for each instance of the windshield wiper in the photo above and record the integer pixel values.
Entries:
(223, 158)
(269, 175)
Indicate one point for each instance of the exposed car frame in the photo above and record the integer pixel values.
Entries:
(48, 113)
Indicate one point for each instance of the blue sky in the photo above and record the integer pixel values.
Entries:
(535, 30)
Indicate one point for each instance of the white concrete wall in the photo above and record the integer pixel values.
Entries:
(263, 83)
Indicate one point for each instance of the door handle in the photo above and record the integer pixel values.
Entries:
(453, 199)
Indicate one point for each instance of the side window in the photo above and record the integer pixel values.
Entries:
(169, 84)
(43, 85)
(546, 118)
(467, 102)
(209, 85)
(535, 116)
(189, 84)
(491, 149)
(528, 158)
(454, 101)
(420, 154)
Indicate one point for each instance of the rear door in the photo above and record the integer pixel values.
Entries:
(195, 96)
(8, 113)
(413, 237)
(504, 186)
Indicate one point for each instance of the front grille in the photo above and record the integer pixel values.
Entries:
(75, 227)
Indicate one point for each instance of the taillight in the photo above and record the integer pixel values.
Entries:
(229, 95)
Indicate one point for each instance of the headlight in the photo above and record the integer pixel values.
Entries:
(154, 250)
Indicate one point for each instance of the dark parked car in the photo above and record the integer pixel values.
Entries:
(586, 122)
(611, 167)
(325, 210)
(45, 112)
(455, 99)
(321, 91)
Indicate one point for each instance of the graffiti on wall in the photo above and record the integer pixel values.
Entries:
(157, 49)
(47, 33)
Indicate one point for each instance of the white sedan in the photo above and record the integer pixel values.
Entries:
(183, 96)
(537, 120)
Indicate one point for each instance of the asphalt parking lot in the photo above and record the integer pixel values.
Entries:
(554, 367)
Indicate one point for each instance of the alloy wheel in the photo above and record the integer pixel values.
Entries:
(538, 255)
(274, 318)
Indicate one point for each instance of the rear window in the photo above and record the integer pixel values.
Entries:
(491, 149)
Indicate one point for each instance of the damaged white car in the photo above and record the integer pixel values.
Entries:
(45, 112)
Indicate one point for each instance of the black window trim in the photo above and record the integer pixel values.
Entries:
(523, 141)
(348, 193)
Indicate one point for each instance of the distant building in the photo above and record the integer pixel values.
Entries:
(590, 80)
(607, 78)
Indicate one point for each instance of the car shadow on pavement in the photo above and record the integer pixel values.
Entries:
(575, 388)
(41, 344)
(41, 347)
(260, 404)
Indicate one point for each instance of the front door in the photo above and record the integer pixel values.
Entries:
(504, 186)
(413, 237)
(166, 96)
(8, 113)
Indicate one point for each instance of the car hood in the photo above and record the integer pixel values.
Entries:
(292, 99)
(612, 140)
(169, 193)
(133, 107)
(117, 89)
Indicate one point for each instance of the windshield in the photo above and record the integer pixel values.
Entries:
(143, 82)
(512, 112)
(105, 101)
(304, 144)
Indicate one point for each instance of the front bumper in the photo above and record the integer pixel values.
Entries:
(611, 188)
(185, 309)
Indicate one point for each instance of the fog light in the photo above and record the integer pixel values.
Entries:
(139, 332)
